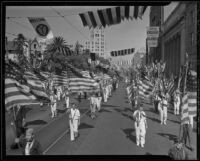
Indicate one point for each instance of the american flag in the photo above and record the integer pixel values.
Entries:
(145, 89)
(17, 91)
(83, 85)
(36, 83)
(189, 107)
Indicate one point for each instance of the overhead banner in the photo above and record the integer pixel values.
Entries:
(111, 16)
(152, 32)
(41, 27)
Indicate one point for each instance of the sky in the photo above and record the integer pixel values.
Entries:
(127, 34)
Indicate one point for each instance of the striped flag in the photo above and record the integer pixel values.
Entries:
(60, 80)
(184, 110)
(83, 84)
(111, 16)
(145, 89)
(17, 90)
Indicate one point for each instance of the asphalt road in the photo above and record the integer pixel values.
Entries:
(111, 133)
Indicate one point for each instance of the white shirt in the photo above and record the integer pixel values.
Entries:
(75, 114)
(28, 147)
(140, 117)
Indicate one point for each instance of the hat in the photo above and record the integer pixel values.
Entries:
(29, 131)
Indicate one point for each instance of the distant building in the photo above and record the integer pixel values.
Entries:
(97, 42)
(11, 50)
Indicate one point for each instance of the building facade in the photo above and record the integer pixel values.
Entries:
(177, 37)
(97, 43)
(173, 39)
(155, 20)
(191, 32)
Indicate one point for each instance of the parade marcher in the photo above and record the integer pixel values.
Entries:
(176, 102)
(18, 122)
(157, 99)
(165, 106)
(178, 151)
(29, 145)
(53, 99)
(140, 125)
(160, 109)
(92, 100)
(98, 101)
(74, 119)
(186, 135)
(66, 96)
(59, 92)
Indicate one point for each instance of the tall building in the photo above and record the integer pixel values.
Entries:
(191, 32)
(97, 43)
(155, 20)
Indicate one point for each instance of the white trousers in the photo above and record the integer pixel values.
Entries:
(165, 114)
(191, 120)
(58, 94)
(116, 85)
(93, 108)
(67, 102)
(53, 110)
(99, 103)
(73, 128)
(176, 107)
(140, 134)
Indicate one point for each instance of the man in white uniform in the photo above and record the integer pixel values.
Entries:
(165, 105)
(53, 99)
(59, 92)
(74, 119)
(66, 96)
(176, 102)
(140, 125)
(98, 101)
(92, 100)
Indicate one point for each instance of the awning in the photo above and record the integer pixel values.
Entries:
(111, 16)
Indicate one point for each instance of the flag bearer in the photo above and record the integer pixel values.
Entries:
(74, 119)
(160, 109)
(66, 96)
(165, 106)
(53, 99)
(59, 92)
(99, 98)
(176, 102)
(92, 105)
(140, 125)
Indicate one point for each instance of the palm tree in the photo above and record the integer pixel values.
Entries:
(58, 45)
(19, 42)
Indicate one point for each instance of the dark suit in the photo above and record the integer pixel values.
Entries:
(36, 148)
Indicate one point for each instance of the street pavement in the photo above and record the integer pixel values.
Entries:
(111, 133)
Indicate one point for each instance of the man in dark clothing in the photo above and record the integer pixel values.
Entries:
(18, 122)
(186, 135)
(29, 145)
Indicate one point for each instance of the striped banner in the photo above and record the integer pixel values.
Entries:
(17, 94)
(184, 110)
(145, 89)
(192, 103)
(60, 80)
(83, 84)
(111, 16)
(122, 52)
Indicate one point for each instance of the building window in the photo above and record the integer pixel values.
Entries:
(97, 35)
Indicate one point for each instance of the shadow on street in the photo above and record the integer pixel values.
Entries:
(104, 110)
(171, 137)
(36, 122)
(129, 134)
(85, 126)
(153, 119)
